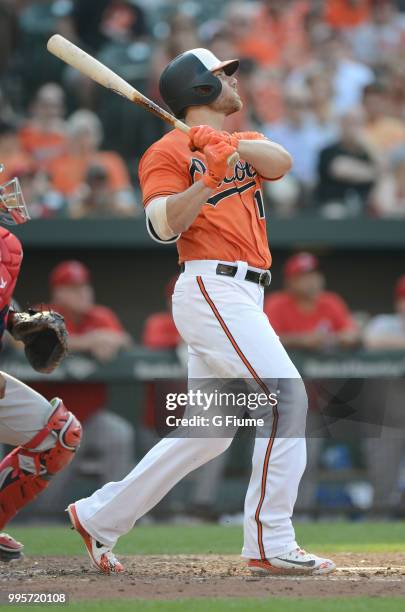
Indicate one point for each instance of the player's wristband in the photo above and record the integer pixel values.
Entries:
(249, 136)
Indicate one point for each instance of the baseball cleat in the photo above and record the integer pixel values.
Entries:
(10, 549)
(101, 556)
(295, 562)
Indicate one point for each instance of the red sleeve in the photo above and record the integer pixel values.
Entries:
(274, 309)
(342, 319)
(104, 318)
(160, 174)
(160, 332)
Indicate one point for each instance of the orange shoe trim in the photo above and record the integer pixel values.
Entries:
(86, 537)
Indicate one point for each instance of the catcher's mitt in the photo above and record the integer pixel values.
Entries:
(44, 336)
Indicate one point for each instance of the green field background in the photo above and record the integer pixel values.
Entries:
(215, 539)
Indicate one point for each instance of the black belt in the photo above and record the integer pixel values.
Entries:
(260, 278)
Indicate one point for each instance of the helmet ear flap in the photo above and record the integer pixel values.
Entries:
(185, 82)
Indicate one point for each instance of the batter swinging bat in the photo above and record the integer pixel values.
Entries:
(95, 70)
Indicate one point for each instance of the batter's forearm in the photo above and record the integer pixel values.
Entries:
(270, 159)
(184, 207)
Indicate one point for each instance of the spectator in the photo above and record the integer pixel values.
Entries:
(347, 170)
(44, 202)
(302, 135)
(92, 329)
(346, 14)
(108, 441)
(95, 198)
(320, 89)
(381, 37)
(11, 153)
(44, 134)
(303, 314)
(388, 198)
(68, 172)
(272, 35)
(159, 331)
(309, 318)
(383, 131)
(348, 76)
(387, 331)
(239, 19)
(262, 92)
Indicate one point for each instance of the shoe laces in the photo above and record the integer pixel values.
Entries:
(108, 559)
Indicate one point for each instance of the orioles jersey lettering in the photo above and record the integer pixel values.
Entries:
(231, 226)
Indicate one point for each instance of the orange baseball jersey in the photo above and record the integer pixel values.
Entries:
(231, 226)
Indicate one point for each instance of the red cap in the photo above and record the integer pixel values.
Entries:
(400, 288)
(69, 273)
(301, 262)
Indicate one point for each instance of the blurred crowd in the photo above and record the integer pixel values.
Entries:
(325, 78)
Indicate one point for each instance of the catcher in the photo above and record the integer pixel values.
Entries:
(45, 434)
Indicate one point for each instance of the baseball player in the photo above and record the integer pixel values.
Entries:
(216, 216)
(45, 434)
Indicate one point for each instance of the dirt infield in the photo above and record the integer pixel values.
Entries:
(180, 576)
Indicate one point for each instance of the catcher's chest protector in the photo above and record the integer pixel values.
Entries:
(11, 255)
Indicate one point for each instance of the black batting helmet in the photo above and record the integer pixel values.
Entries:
(188, 79)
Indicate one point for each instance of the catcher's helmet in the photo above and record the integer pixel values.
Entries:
(13, 209)
(188, 79)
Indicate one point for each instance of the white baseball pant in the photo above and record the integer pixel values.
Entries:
(221, 319)
(23, 413)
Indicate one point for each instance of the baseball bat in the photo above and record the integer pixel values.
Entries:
(98, 72)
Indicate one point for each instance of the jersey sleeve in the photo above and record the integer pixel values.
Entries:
(160, 333)
(274, 310)
(342, 319)
(104, 318)
(160, 174)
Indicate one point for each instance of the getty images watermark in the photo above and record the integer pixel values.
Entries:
(197, 401)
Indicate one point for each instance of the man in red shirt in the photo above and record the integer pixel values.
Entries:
(307, 317)
(96, 331)
(304, 315)
(160, 331)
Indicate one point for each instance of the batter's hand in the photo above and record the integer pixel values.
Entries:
(216, 156)
(202, 135)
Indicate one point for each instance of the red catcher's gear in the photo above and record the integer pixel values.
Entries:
(24, 473)
(11, 255)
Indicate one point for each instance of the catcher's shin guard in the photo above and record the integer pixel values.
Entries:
(24, 473)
